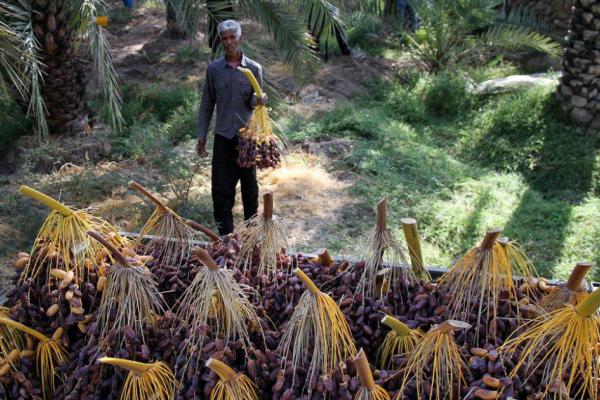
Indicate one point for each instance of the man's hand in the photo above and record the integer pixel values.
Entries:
(256, 101)
(201, 148)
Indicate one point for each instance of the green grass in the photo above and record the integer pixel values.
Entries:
(507, 161)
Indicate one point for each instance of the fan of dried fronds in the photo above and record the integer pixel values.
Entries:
(130, 296)
(231, 385)
(317, 323)
(165, 232)
(268, 234)
(569, 293)
(400, 340)
(477, 279)
(368, 390)
(379, 244)
(49, 354)
(563, 346)
(62, 241)
(145, 381)
(438, 362)
(216, 299)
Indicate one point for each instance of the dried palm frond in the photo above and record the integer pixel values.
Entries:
(563, 346)
(145, 381)
(400, 340)
(568, 293)
(438, 362)
(477, 279)
(216, 299)
(411, 235)
(317, 323)
(130, 296)
(378, 244)
(49, 354)
(368, 390)
(268, 233)
(62, 241)
(171, 236)
(231, 385)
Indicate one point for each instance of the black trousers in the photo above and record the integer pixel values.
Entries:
(225, 175)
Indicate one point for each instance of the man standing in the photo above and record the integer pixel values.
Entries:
(228, 89)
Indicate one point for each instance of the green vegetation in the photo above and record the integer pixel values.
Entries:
(13, 123)
(461, 163)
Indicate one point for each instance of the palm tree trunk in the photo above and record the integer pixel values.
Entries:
(578, 91)
(63, 88)
(173, 27)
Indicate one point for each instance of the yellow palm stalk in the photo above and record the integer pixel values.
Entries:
(438, 360)
(562, 344)
(216, 299)
(170, 232)
(411, 235)
(519, 262)
(368, 390)
(259, 126)
(130, 296)
(231, 385)
(267, 232)
(381, 243)
(569, 293)
(145, 381)
(49, 353)
(317, 322)
(400, 340)
(477, 279)
(63, 234)
(10, 336)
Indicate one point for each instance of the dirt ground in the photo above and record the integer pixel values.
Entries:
(308, 194)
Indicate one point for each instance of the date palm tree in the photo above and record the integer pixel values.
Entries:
(60, 44)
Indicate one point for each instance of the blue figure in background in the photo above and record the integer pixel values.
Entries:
(128, 3)
(406, 12)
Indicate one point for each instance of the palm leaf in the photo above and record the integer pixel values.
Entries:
(322, 17)
(515, 37)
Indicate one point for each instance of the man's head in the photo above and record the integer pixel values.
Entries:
(230, 33)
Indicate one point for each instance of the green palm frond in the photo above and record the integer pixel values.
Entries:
(321, 16)
(515, 37)
(523, 17)
(84, 14)
(190, 13)
(19, 14)
(287, 32)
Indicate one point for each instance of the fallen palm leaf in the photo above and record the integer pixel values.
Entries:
(368, 390)
(317, 323)
(569, 293)
(381, 243)
(145, 381)
(216, 299)
(436, 364)
(400, 340)
(62, 241)
(258, 146)
(49, 354)
(130, 296)
(562, 345)
(266, 232)
(231, 385)
(172, 238)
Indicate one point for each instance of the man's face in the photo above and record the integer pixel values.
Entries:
(230, 43)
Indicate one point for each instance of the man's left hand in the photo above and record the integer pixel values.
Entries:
(259, 101)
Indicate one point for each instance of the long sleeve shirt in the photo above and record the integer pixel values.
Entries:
(230, 92)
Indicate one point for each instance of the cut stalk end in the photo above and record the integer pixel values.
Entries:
(134, 366)
(46, 200)
(136, 186)
(397, 326)
(109, 246)
(268, 206)
(490, 238)
(250, 76)
(364, 371)
(310, 285)
(452, 325)
(201, 228)
(382, 215)
(205, 258)
(224, 371)
(577, 275)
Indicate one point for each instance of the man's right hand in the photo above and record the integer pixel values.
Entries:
(201, 148)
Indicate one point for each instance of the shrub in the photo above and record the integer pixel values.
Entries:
(155, 102)
(444, 95)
